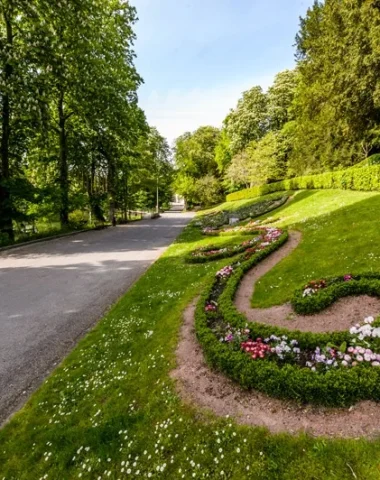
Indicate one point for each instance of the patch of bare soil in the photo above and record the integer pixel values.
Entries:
(198, 384)
(342, 315)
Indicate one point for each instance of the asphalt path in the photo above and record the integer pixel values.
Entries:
(52, 293)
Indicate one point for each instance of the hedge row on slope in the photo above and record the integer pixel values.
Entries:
(335, 387)
(361, 179)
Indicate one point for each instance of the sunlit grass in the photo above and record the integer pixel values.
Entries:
(340, 234)
(111, 410)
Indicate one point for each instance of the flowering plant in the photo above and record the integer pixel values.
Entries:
(225, 272)
(282, 349)
(313, 286)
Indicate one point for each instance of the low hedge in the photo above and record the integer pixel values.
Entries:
(335, 387)
(222, 252)
(363, 179)
(365, 284)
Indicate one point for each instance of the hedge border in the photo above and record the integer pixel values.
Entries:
(361, 179)
(334, 388)
(337, 287)
(219, 256)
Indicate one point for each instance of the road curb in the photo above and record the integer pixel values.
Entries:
(47, 239)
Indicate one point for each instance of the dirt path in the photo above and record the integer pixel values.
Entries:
(205, 388)
(342, 315)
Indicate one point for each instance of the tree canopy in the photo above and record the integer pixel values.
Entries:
(71, 129)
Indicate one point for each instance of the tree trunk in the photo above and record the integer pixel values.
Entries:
(111, 189)
(6, 225)
(63, 167)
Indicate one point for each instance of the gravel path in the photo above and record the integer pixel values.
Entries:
(51, 293)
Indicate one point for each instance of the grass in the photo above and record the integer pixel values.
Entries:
(234, 206)
(340, 234)
(111, 410)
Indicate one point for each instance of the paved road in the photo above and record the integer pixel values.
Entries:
(51, 293)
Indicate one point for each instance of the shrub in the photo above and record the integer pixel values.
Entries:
(365, 284)
(333, 387)
(363, 179)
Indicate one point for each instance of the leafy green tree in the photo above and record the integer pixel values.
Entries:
(209, 191)
(280, 99)
(336, 104)
(249, 120)
(223, 154)
(195, 159)
(240, 171)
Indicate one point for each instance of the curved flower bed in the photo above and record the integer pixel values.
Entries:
(318, 295)
(230, 231)
(212, 252)
(216, 219)
(334, 369)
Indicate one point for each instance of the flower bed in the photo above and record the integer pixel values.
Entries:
(215, 220)
(247, 229)
(334, 369)
(206, 254)
(318, 295)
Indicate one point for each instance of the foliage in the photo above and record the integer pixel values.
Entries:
(337, 101)
(361, 179)
(197, 177)
(209, 190)
(307, 374)
(338, 229)
(307, 300)
(212, 252)
(116, 383)
(223, 151)
(249, 121)
(71, 127)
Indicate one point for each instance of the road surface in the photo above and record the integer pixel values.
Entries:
(51, 293)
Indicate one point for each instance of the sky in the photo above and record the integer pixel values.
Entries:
(197, 56)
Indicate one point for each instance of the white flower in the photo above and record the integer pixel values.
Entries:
(369, 320)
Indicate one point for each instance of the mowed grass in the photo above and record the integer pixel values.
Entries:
(111, 410)
(234, 206)
(340, 234)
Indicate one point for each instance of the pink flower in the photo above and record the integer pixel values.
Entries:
(347, 278)
(359, 358)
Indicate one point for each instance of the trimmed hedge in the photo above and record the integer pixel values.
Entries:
(362, 179)
(365, 284)
(335, 387)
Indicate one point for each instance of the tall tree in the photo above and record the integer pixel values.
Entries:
(249, 120)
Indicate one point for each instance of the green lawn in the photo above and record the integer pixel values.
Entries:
(234, 206)
(340, 235)
(110, 411)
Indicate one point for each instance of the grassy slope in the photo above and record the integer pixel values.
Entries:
(340, 235)
(112, 402)
(233, 206)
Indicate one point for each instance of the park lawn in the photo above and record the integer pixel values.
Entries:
(234, 206)
(111, 411)
(340, 234)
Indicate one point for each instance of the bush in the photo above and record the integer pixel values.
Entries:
(365, 284)
(212, 252)
(362, 179)
(334, 387)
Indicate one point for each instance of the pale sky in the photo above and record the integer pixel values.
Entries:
(198, 56)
